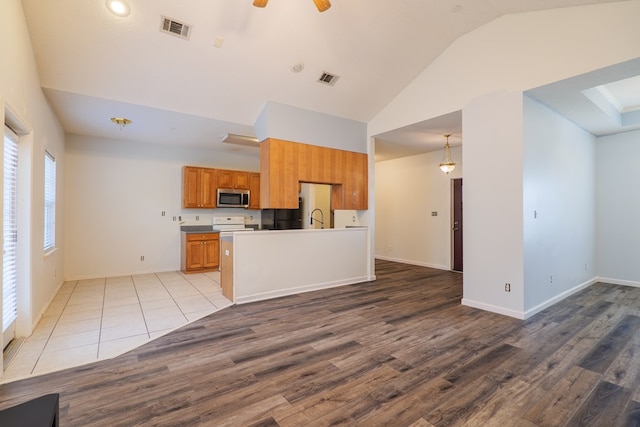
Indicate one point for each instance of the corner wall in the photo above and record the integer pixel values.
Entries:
(408, 190)
(20, 94)
(493, 242)
(618, 208)
(559, 207)
(116, 193)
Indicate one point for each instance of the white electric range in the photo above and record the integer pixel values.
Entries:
(227, 225)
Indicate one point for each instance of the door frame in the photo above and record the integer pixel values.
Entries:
(457, 185)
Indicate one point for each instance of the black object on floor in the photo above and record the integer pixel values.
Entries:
(40, 412)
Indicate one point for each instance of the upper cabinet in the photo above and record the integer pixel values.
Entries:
(284, 164)
(233, 179)
(254, 191)
(199, 187)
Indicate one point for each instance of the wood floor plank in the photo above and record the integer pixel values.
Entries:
(624, 370)
(507, 407)
(400, 351)
(563, 400)
(606, 351)
(604, 406)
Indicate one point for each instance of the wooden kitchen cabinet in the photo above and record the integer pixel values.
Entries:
(200, 252)
(226, 269)
(254, 190)
(355, 184)
(199, 187)
(284, 164)
(233, 179)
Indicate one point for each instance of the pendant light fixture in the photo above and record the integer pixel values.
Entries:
(121, 121)
(447, 164)
(322, 5)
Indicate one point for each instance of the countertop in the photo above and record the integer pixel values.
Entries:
(192, 229)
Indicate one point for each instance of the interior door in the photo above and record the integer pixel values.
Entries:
(457, 224)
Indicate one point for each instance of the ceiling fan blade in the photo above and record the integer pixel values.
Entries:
(260, 3)
(322, 5)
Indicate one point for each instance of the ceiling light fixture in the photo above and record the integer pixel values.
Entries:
(322, 5)
(118, 7)
(447, 164)
(121, 122)
(248, 141)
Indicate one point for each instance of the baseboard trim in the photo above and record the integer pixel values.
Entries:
(298, 290)
(40, 315)
(493, 308)
(618, 282)
(418, 263)
(551, 301)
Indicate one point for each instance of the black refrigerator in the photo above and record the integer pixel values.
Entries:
(282, 219)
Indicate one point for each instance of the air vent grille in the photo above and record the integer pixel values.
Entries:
(328, 79)
(176, 28)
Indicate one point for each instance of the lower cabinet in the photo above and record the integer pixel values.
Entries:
(200, 252)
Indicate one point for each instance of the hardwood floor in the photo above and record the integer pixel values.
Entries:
(400, 351)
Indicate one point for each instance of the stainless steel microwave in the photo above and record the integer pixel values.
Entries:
(232, 198)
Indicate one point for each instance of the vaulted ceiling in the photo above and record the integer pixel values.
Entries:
(94, 65)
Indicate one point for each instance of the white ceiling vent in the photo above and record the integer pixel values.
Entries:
(328, 79)
(176, 28)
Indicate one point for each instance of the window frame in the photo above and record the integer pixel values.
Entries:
(49, 213)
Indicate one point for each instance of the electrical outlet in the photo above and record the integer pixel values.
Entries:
(507, 287)
(535, 214)
(550, 279)
(142, 258)
(163, 213)
(174, 218)
(434, 213)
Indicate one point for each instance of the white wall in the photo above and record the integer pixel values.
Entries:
(511, 54)
(289, 123)
(516, 53)
(408, 189)
(493, 242)
(116, 192)
(270, 264)
(559, 207)
(618, 208)
(20, 95)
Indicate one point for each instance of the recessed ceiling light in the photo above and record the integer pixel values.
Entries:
(118, 7)
(297, 67)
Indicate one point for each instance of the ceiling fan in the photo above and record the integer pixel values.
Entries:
(322, 5)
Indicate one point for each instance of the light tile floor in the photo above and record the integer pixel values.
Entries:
(90, 320)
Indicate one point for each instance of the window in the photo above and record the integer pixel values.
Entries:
(10, 231)
(49, 202)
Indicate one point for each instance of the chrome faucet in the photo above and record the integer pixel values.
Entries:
(321, 221)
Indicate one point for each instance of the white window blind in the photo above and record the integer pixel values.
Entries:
(10, 229)
(49, 201)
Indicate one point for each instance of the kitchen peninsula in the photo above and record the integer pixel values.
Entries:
(269, 264)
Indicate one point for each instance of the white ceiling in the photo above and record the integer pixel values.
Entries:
(94, 65)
